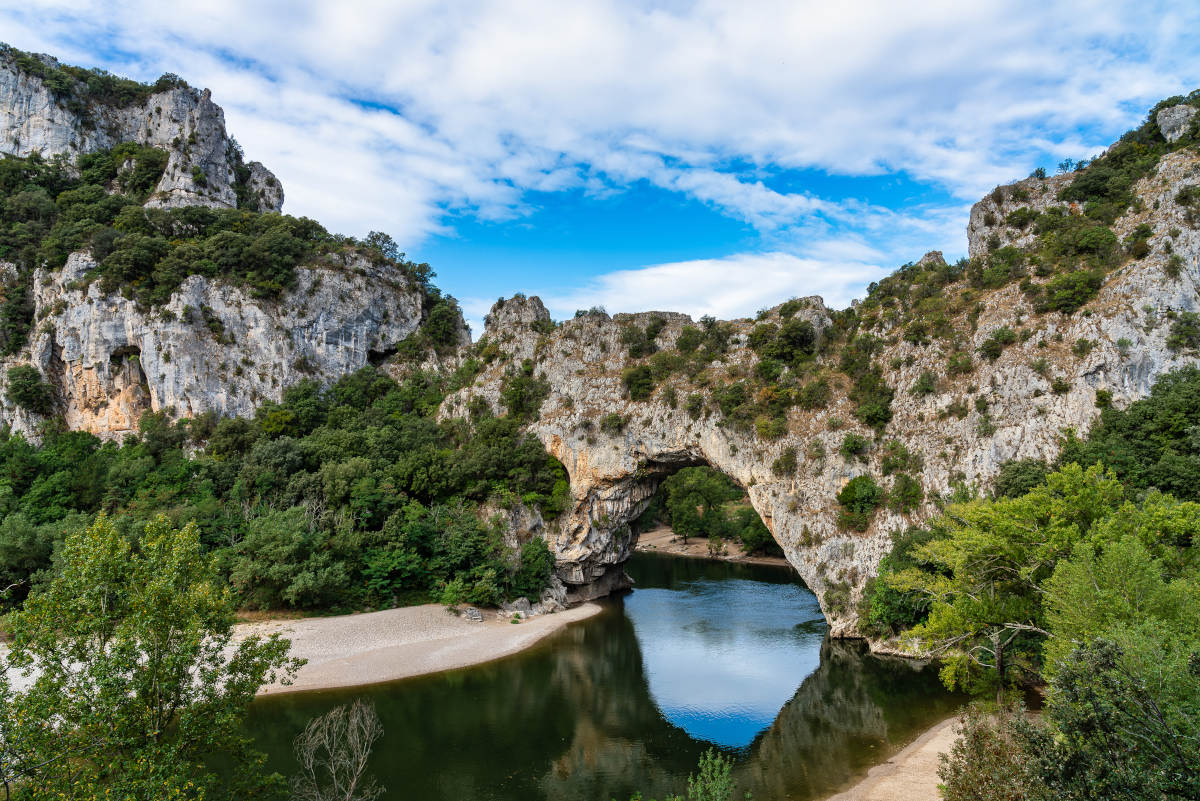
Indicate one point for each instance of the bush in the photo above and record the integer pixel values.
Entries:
(612, 424)
(926, 384)
(859, 499)
(689, 339)
(989, 760)
(1185, 332)
(1018, 476)
(959, 363)
(27, 390)
(906, 494)
(897, 458)
(523, 393)
(854, 446)
(785, 464)
(996, 342)
(873, 397)
(537, 565)
(813, 395)
(1068, 292)
(639, 382)
(887, 610)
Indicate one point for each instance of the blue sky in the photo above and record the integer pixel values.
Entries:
(706, 157)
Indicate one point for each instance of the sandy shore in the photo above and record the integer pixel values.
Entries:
(663, 540)
(351, 650)
(910, 775)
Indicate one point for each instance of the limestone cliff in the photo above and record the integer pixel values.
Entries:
(959, 410)
(960, 429)
(213, 347)
(54, 115)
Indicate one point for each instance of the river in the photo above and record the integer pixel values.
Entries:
(702, 654)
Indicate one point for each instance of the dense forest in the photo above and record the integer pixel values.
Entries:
(334, 498)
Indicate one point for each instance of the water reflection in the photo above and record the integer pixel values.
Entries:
(723, 655)
(589, 714)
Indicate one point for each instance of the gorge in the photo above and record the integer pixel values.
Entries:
(843, 426)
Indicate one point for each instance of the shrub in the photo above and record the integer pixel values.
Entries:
(523, 393)
(612, 424)
(1185, 332)
(996, 342)
(859, 499)
(989, 761)
(906, 494)
(897, 458)
(959, 363)
(813, 395)
(639, 382)
(1018, 476)
(537, 564)
(854, 446)
(873, 397)
(689, 339)
(27, 390)
(885, 609)
(785, 464)
(926, 384)
(1068, 292)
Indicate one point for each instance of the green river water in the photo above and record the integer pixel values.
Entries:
(702, 654)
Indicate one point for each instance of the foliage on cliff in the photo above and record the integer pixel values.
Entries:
(52, 209)
(79, 88)
(1090, 582)
(341, 497)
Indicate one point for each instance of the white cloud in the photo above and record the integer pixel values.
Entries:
(730, 287)
(387, 115)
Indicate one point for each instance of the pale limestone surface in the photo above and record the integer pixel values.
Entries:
(613, 476)
(212, 347)
(1174, 121)
(184, 122)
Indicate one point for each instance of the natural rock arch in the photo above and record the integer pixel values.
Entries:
(615, 469)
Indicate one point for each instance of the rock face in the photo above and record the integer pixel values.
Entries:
(202, 158)
(212, 347)
(616, 468)
(1174, 121)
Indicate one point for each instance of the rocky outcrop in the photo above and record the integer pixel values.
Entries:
(963, 430)
(202, 159)
(1174, 121)
(212, 347)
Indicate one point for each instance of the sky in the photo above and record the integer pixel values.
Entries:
(705, 157)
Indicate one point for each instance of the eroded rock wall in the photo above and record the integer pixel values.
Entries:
(212, 347)
(182, 121)
(614, 472)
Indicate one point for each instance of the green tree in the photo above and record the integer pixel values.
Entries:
(992, 560)
(694, 500)
(27, 389)
(859, 499)
(137, 686)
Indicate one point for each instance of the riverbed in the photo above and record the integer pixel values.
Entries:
(700, 655)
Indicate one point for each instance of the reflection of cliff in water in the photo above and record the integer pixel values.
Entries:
(573, 720)
(845, 717)
(849, 715)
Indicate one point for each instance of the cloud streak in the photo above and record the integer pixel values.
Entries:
(380, 115)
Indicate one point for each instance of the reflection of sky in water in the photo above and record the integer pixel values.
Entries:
(724, 659)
